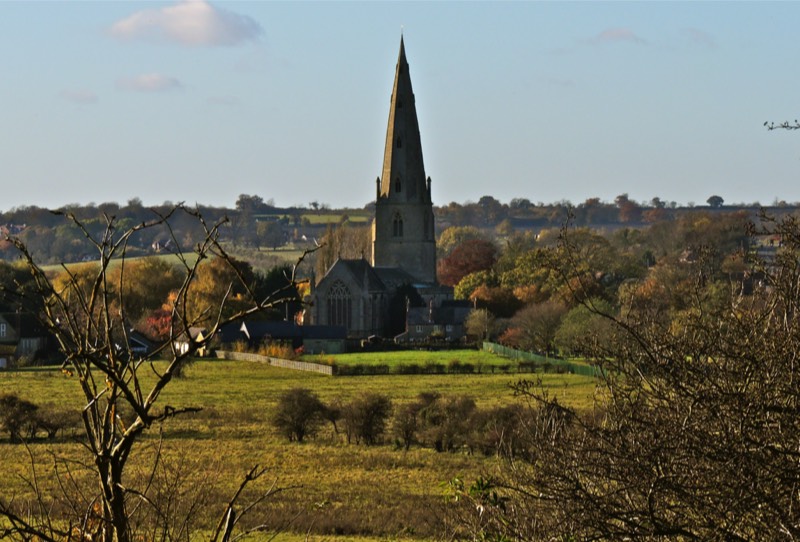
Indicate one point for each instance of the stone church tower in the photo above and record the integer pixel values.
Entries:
(395, 294)
(403, 230)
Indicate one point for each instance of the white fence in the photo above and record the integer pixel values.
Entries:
(278, 362)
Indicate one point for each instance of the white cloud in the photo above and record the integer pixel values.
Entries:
(80, 97)
(618, 35)
(149, 82)
(189, 22)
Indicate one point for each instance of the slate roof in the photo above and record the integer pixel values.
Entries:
(362, 272)
(194, 333)
(451, 312)
(257, 331)
(23, 325)
(394, 276)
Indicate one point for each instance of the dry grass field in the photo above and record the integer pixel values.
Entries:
(332, 488)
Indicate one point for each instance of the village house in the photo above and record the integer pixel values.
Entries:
(21, 336)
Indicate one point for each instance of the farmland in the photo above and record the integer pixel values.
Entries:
(336, 489)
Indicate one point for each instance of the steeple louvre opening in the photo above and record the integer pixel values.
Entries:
(397, 225)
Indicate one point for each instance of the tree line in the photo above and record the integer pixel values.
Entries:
(542, 292)
(442, 423)
(255, 224)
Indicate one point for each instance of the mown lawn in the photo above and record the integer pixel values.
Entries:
(336, 488)
(476, 358)
(422, 362)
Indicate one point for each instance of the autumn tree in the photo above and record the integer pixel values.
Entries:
(470, 283)
(270, 233)
(218, 284)
(342, 241)
(146, 284)
(85, 312)
(491, 210)
(693, 435)
(480, 325)
(629, 210)
(498, 300)
(534, 327)
(466, 258)
(582, 326)
(454, 236)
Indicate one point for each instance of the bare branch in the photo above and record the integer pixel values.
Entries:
(786, 125)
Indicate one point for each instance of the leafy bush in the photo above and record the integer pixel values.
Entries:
(433, 368)
(497, 430)
(277, 350)
(446, 422)
(365, 418)
(299, 414)
(405, 424)
(408, 369)
(53, 421)
(362, 369)
(18, 417)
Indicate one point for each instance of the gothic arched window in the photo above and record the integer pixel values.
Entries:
(397, 225)
(339, 305)
(398, 186)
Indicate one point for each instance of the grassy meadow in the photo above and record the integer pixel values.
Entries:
(332, 488)
(477, 358)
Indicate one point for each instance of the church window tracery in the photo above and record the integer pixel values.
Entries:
(339, 305)
(398, 186)
(397, 225)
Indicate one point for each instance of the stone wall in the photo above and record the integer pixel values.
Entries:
(278, 362)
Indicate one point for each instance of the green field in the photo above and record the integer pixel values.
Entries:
(463, 361)
(336, 218)
(337, 489)
(317, 218)
(417, 357)
(190, 258)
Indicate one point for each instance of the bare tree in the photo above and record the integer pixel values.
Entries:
(88, 317)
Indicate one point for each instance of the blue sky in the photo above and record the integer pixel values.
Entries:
(200, 102)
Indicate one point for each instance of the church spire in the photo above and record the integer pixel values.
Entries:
(403, 177)
(403, 232)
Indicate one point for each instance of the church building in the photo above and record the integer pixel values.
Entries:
(398, 284)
